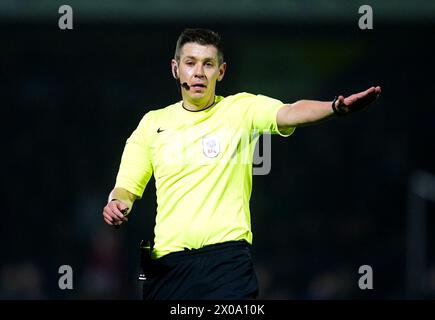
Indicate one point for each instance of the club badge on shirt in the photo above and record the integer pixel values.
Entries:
(210, 146)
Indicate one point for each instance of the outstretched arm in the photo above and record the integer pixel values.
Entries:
(308, 112)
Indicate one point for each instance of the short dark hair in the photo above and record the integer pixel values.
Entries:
(201, 36)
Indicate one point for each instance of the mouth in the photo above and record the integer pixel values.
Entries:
(198, 86)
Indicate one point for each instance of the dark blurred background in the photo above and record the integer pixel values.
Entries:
(346, 193)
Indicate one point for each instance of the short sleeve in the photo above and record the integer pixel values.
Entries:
(135, 169)
(263, 112)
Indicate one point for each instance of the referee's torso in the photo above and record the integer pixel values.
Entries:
(202, 164)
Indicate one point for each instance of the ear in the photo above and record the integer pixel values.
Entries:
(222, 69)
(174, 68)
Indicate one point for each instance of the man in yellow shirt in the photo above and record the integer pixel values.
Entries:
(200, 151)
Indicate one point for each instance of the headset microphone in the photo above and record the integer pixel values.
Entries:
(177, 78)
(185, 86)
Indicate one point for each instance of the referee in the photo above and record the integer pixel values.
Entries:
(200, 152)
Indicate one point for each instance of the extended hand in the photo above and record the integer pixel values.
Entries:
(357, 101)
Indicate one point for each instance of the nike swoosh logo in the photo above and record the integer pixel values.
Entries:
(159, 130)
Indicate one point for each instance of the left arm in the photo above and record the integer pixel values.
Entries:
(308, 112)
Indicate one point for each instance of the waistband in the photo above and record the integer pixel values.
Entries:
(212, 248)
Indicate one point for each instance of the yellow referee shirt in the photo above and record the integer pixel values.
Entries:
(202, 164)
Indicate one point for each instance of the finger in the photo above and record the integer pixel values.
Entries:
(110, 217)
(124, 213)
(349, 100)
(124, 210)
(340, 101)
(374, 92)
(116, 220)
(364, 97)
(365, 101)
(370, 90)
(362, 94)
(121, 206)
(354, 97)
(114, 207)
(368, 94)
(108, 222)
(109, 214)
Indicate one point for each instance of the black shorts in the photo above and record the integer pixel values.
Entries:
(219, 271)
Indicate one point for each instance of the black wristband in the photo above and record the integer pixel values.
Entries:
(337, 111)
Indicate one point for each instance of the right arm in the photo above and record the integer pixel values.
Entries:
(135, 170)
(119, 200)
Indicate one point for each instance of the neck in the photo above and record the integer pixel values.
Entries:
(192, 106)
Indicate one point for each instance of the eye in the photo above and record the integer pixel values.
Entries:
(189, 63)
(209, 64)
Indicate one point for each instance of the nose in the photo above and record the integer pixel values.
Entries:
(199, 70)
